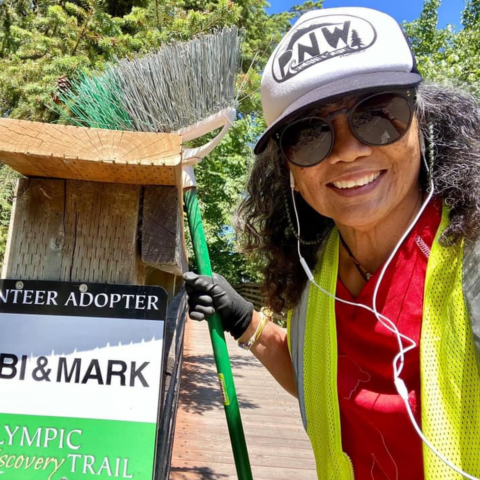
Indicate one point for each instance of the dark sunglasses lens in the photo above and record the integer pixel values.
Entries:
(382, 119)
(307, 141)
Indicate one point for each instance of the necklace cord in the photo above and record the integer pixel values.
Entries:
(363, 271)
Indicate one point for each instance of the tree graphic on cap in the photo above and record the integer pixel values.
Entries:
(356, 40)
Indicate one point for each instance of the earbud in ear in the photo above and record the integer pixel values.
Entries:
(292, 181)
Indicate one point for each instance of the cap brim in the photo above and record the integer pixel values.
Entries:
(325, 93)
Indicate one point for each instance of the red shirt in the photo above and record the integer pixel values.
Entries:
(377, 433)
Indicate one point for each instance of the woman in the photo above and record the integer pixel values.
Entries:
(363, 204)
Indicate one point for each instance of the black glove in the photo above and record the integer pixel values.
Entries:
(207, 295)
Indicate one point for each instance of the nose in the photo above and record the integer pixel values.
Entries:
(347, 148)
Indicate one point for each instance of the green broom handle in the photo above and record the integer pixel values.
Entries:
(217, 336)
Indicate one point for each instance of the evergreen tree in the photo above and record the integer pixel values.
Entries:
(356, 41)
(46, 42)
(446, 54)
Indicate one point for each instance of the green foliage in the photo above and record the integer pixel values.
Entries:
(120, 8)
(471, 14)
(221, 179)
(44, 41)
(7, 177)
(445, 54)
(47, 42)
(299, 10)
(423, 33)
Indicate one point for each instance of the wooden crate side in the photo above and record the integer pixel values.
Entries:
(67, 230)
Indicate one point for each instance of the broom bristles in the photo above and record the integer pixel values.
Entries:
(175, 87)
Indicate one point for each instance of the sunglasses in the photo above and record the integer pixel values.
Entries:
(379, 119)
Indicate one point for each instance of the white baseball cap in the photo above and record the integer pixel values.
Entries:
(329, 53)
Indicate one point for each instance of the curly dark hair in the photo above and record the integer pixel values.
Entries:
(448, 117)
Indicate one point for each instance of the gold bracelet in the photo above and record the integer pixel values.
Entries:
(258, 332)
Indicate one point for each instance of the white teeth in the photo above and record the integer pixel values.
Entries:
(359, 182)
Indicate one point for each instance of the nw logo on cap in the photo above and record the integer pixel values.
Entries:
(320, 39)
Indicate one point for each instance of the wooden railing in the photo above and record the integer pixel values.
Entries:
(251, 292)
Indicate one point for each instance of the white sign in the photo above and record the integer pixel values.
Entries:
(80, 380)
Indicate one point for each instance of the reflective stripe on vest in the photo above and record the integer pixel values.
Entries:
(450, 380)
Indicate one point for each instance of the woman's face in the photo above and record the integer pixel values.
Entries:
(360, 185)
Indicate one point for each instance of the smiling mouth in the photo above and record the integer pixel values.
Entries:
(358, 182)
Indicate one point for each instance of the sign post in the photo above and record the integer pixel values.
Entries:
(96, 218)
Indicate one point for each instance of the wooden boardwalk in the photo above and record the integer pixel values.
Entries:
(278, 446)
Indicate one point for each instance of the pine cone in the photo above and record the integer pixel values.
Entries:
(63, 84)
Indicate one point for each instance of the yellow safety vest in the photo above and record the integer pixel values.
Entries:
(450, 378)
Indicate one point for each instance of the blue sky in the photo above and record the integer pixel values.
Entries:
(408, 10)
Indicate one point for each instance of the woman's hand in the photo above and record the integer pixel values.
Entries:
(209, 295)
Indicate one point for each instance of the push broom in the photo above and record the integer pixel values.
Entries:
(187, 88)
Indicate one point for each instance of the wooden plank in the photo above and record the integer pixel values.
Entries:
(36, 232)
(301, 446)
(45, 150)
(258, 459)
(162, 230)
(168, 281)
(190, 470)
(102, 222)
(267, 449)
(74, 231)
